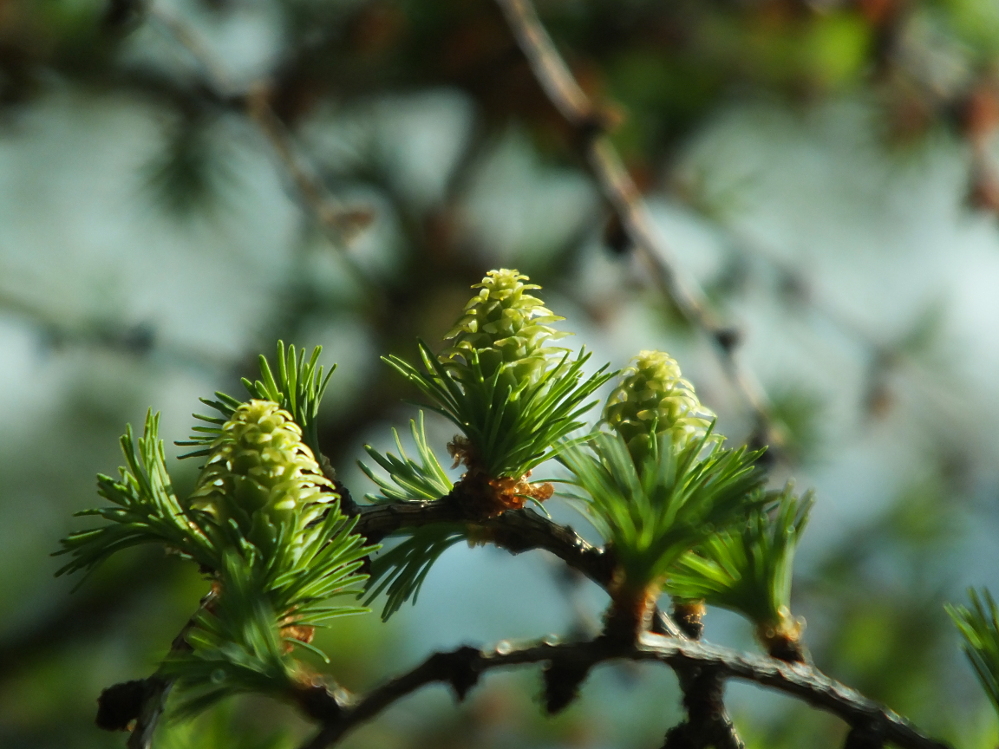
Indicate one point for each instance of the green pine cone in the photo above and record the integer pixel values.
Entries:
(262, 475)
(506, 328)
(652, 393)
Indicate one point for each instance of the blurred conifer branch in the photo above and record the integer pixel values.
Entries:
(979, 627)
(884, 355)
(338, 222)
(57, 329)
(591, 123)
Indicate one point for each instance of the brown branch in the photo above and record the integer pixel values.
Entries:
(797, 680)
(707, 723)
(461, 668)
(516, 531)
(338, 222)
(620, 191)
(702, 667)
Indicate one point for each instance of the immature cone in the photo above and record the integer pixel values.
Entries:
(506, 328)
(261, 474)
(652, 392)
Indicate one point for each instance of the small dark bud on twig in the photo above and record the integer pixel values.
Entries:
(616, 237)
(318, 703)
(598, 121)
(728, 338)
(120, 704)
(790, 651)
(870, 736)
(121, 13)
(562, 682)
(459, 669)
(689, 617)
(681, 736)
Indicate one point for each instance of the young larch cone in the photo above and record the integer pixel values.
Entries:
(505, 328)
(261, 474)
(504, 333)
(652, 392)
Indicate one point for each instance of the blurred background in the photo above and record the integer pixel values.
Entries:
(183, 182)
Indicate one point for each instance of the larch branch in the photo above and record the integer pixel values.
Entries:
(461, 669)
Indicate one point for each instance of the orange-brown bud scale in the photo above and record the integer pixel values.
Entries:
(301, 632)
(461, 451)
(489, 497)
(689, 617)
(485, 497)
(783, 640)
(631, 610)
(514, 493)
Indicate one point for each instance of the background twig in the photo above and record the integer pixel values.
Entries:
(620, 191)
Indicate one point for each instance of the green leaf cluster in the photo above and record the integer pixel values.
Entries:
(682, 513)
(298, 569)
(511, 394)
(657, 482)
(236, 645)
(263, 523)
(746, 567)
(408, 480)
(655, 509)
(298, 388)
(979, 627)
(143, 509)
(401, 570)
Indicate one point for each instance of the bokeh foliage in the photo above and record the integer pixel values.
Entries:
(924, 72)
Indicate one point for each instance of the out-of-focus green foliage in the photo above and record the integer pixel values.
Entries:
(100, 334)
(979, 626)
(747, 568)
